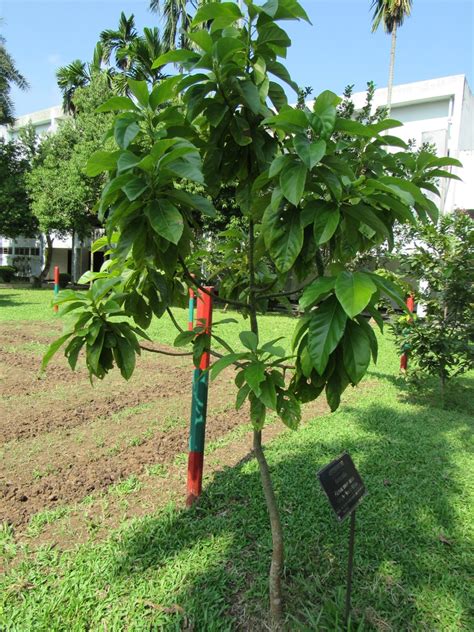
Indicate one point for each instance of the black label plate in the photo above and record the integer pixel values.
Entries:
(343, 485)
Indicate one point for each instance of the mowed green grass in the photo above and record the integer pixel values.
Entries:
(206, 569)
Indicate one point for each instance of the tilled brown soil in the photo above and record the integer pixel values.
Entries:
(62, 440)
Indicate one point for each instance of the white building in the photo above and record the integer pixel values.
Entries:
(441, 112)
(73, 258)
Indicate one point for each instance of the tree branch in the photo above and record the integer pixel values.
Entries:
(167, 353)
(174, 321)
(215, 296)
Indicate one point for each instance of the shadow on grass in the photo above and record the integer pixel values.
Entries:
(9, 300)
(206, 569)
(411, 564)
(426, 391)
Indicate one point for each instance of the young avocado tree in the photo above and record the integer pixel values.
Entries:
(313, 190)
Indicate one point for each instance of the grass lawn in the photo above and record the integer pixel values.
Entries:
(205, 569)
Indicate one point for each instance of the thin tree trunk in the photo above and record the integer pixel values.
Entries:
(391, 69)
(276, 566)
(49, 257)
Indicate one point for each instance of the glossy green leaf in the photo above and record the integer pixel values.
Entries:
(175, 56)
(101, 161)
(284, 236)
(309, 152)
(356, 351)
(53, 348)
(254, 375)
(325, 223)
(135, 187)
(164, 91)
(165, 219)
(249, 340)
(292, 182)
(354, 291)
(315, 290)
(326, 328)
(139, 89)
(125, 131)
(115, 104)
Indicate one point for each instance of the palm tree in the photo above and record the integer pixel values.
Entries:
(392, 14)
(176, 20)
(9, 74)
(76, 75)
(120, 42)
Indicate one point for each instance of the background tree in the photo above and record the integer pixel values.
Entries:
(440, 344)
(298, 188)
(16, 217)
(62, 195)
(9, 75)
(390, 13)
(177, 20)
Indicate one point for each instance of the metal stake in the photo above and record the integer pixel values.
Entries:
(350, 565)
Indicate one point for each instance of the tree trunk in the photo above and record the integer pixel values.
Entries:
(391, 69)
(276, 567)
(48, 259)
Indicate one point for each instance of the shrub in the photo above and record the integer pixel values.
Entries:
(7, 273)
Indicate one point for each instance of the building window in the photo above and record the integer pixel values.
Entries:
(6, 250)
(21, 250)
(34, 252)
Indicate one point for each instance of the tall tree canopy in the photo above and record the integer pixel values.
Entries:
(9, 75)
(16, 217)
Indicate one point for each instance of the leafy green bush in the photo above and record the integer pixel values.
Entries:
(441, 343)
(7, 273)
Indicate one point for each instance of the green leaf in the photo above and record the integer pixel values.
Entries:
(325, 223)
(354, 291)
(175, 56)
(134, 188)
(217, 10)
(315, 290)
(369, 332)
(393, 291)
(324, 117)
(164, 91)
(292, 182)
(289, 410)
(127, 160)
(202, 39)
(227, 47)
(184, 338)
(101, 161)
(254, 375)
(356, 352)
(278, 164)
(310, 153)
(193, 200)
(117, 103)
(165, 220)
(268, 393)
(72, 351)
(284, 236)
(354, 128)
(125, 130)
(257, 412)
(326, 328)
(289, 120)
(52, 349)
(249, 340)
(139, 89)
(242, 394)
(126, 357)
(223, 363)
(250, 95)
(188, 167)
(279, 70)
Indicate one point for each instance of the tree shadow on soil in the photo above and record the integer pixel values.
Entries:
(410, 565)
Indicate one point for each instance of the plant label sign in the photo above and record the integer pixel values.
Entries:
(343, 485)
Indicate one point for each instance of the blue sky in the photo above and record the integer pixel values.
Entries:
(339, 48)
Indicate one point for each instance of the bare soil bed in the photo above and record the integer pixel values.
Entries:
(74, 455)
